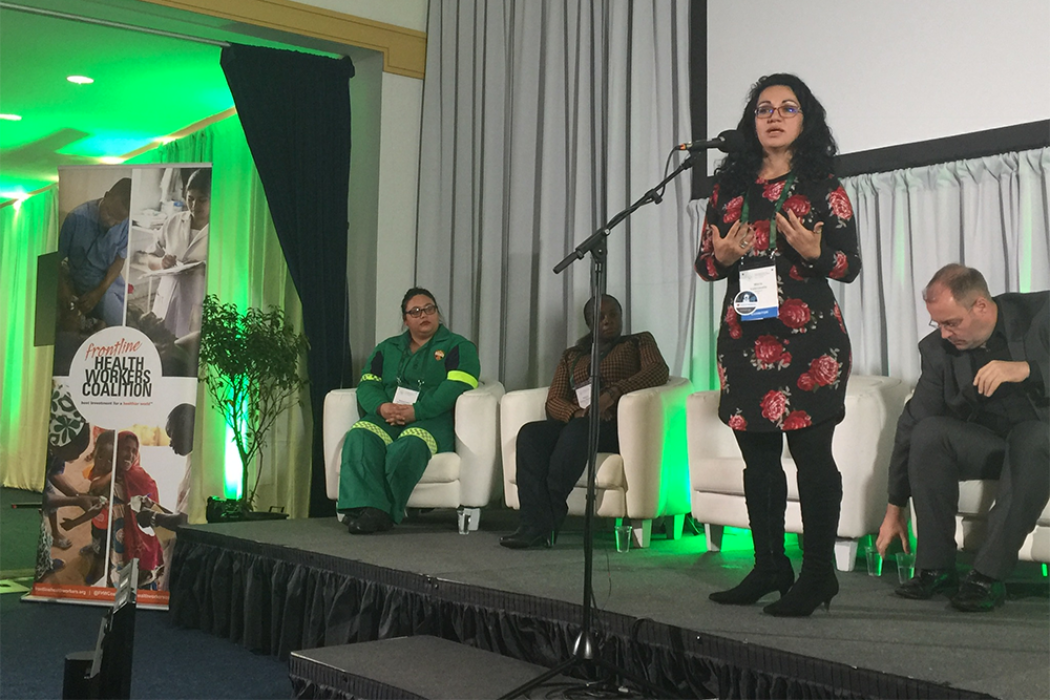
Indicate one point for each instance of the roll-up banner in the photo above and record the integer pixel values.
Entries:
(133, 247)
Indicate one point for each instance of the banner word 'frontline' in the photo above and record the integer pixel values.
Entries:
(121, 347)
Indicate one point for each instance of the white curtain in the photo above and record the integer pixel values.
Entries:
(541, 120)
(990, 213)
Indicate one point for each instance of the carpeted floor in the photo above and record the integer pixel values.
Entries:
(167, 662)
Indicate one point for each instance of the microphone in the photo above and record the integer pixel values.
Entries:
(727, 142)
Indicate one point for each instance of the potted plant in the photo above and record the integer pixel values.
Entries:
(250, 365)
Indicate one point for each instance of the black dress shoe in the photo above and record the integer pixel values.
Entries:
(927, 582)
(979, 593)
(525, 537)
(371, 520)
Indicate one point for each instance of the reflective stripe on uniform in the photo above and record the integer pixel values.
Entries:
(422, 435)
(372, 428)
(460, 376)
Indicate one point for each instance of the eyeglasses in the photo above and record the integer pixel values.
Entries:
(429, 310)
(947, 325)
(787, 111)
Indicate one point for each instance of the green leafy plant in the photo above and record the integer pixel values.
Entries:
(250, 365)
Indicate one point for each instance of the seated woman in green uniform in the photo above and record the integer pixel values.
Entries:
(407, 395)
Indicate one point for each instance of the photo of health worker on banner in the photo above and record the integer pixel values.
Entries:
(124, 391)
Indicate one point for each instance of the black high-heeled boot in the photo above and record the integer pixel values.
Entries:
(765, 492)
(757, 584)
(810, 592)
(820, 498)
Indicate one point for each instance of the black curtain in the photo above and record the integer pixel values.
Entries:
(295, 110)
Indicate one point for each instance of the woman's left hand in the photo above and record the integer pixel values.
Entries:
(406, 414)
(806, 242)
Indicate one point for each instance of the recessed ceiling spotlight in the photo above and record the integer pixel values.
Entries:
(11, 117)
(80, 79)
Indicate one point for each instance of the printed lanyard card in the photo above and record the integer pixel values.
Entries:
(583, 394)
(405, 396)
(757, 298)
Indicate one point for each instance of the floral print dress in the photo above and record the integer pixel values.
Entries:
(788, 372)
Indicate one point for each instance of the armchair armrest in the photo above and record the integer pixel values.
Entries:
(477, 444)
(516, 409)
(653, 446)
(340, 412)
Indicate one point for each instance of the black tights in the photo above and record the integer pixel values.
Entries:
(819, 490)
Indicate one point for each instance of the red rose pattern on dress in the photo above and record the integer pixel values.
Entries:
(772, 190)
(840, 205)
(761, 229)
(841, 265)
(733, 210)
(770, 353)
(795, 314)
(798, 204)
(796, 420)
(733, 323)
(784, 373)
(775, 405)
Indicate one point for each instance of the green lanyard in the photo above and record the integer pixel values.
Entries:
(776, 210)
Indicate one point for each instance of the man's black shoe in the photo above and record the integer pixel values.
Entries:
(371, 520)
(979, 593)
(525, 537)
(927, 582)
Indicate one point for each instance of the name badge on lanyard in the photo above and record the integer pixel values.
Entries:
(583, 394)
(405, 396)
(759, 295)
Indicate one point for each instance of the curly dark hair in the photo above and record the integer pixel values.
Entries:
(813, 152)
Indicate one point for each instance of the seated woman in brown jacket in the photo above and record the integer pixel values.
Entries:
(552, 454)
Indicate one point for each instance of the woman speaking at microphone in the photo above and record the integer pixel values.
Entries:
(779, 225)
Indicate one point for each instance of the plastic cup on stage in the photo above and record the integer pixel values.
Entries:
(874, 561)
(905, 567)
(464, 521)
(623, 538)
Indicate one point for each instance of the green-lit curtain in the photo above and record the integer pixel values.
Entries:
(246, 267)
(27, 229)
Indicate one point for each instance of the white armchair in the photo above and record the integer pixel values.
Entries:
(466, 478)
(648, 479)
(862, 446)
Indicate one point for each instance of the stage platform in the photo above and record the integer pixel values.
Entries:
(283, 586)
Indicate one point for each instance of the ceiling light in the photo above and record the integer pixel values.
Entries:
(111, 160)
(80, 79)
(11, 117)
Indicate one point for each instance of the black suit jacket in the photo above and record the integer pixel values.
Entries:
(946, 388)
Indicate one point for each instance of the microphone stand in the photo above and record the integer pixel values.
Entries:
(583, 651)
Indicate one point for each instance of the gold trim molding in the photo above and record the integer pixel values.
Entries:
(404, 50)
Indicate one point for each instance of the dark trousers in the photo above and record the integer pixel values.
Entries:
(551, 456)
(819, 491)
(945, 451)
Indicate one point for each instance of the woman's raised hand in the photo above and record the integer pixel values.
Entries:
(735, 245)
